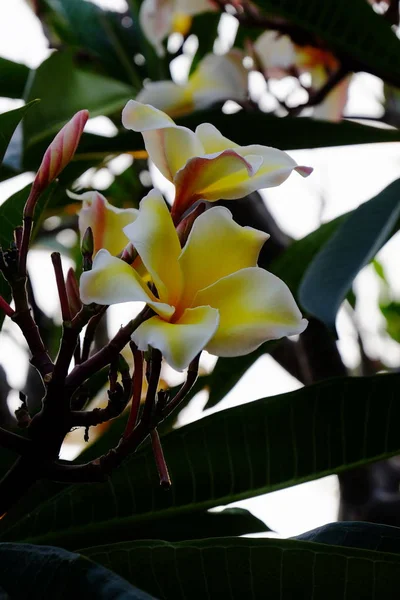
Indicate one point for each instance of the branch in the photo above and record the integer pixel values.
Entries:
(191, 378)
(104, 356)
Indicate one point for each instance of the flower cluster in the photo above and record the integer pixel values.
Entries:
(210, 293)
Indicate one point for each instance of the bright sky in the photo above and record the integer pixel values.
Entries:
(343, 178)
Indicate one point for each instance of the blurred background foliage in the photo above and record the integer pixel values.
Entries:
(341, 422)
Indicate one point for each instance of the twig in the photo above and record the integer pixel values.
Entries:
(137, 390)
(104, 356)
(62, 290)
(165, 480)
(5, 307)
(192, 373)
(150, 402)
(90, 331)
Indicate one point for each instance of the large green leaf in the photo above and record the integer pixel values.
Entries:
(356, 534)
(105, 35)
(235, 454)
(329, 277)
(251, 568)
(11, 216)
(9, 121)
(13, 78)
(356, 33)
(71, 89)
(256, 127)
(28, 571)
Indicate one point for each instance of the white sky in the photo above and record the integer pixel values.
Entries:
(343, 178)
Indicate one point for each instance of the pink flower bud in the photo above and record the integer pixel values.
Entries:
(58, 154)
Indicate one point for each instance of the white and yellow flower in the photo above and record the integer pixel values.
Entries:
(216, 79)
(278, 57)
(204, 164)
(106, 221)
(158, 18)
(210, 294)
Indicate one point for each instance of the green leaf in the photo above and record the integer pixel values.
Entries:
(292, 264)
(360, 36)
(11, 217)
(256, 127)
(355, 534)
(391, 313)
(9, 121)
(326, 428)
(330, 275)
(253, 568)
(71, 89)
(13, 78)
(105, 35)
(28, 571)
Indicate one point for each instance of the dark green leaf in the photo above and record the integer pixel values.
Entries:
(360, 36)
(205, 27)
(256, 127)
(77, 88)
(28, 571)
(13, 78)
(331, 273)
(99, 32)
(251, 568)
(292, 264)
(354, 534)
(330, 427)
(9, 121)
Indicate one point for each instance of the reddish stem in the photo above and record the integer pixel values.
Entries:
(62, 290)
(6, 307)
(137, 392)
(165, 480)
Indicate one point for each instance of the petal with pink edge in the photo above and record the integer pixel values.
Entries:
(169, 146)
(181, 341)
(254, 306)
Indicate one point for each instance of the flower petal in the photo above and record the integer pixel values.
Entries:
(179, 342)
(155, 18)
(106, 221)
(113, 281)
(156, 241)
(219, 78)
(254, 306)
(207, 177)
(212, 139)
(217, 247)
(168, 145)
(276, 164)
(167, 96)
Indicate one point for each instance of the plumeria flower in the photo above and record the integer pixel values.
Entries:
(210, 294)
(204, 164)
(216, 79)
(159, 18)
(278, 57)
(106, 221)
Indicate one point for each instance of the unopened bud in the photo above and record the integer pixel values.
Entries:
(87, 248)
(74, 300)
(57, 156)
(129, 253)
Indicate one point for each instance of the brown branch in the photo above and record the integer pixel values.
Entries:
(6, 308)
(90, 331)
(191, 378)
(61, 287)
(104, 356)
(165, 480)
(150, 402)
(137, 384)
